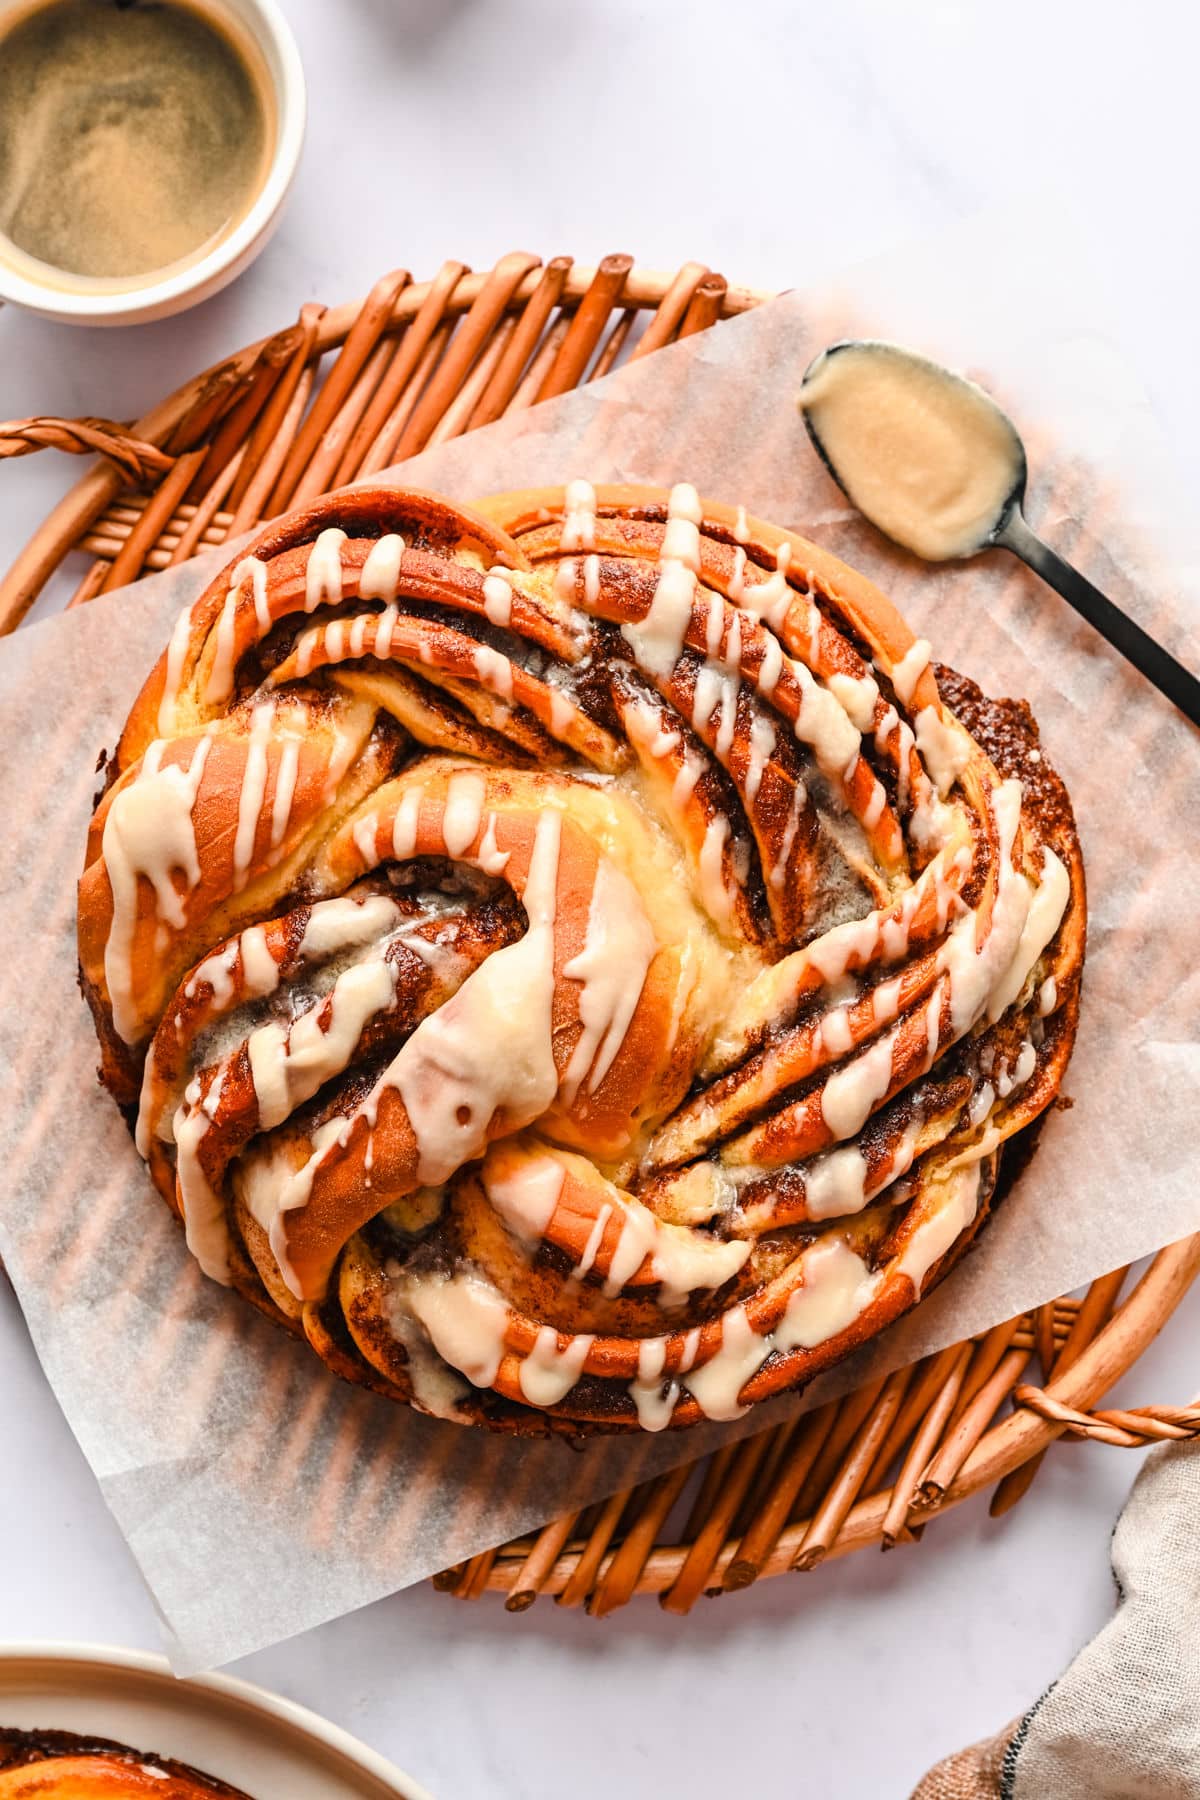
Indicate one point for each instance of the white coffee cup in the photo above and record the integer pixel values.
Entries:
(156, 296)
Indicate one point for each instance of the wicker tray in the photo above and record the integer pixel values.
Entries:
(347, 391)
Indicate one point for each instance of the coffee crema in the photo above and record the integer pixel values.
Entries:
(133, 138)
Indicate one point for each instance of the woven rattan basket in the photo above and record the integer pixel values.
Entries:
(350, 390)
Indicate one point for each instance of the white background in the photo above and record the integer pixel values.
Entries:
(776, 142)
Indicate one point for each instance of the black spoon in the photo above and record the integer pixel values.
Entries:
(1004, 524)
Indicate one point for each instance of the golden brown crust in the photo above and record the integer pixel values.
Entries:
(636, 1064)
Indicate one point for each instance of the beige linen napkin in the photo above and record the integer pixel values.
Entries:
(1123, 1722)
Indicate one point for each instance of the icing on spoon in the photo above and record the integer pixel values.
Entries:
(931, 460)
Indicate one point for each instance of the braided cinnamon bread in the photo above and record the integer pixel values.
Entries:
(572, 959)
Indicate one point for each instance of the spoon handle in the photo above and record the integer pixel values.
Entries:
(1137, 646)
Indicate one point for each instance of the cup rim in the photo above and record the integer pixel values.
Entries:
(226, 258)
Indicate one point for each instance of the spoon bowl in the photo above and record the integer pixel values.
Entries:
(923, 453)
(933, 462)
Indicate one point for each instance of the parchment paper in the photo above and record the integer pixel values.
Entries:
(258, 1494)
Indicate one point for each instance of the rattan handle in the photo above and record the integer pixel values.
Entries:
(1129, 1430)
(141, 462)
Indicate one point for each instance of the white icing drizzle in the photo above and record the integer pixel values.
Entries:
(595, 1238)
(715, 895)
(219, 685)
(837, 1286)
(741, 529)
(681, 536)
(364, 834)
(974, 968)
(203, 1208)
(982, 1101)
(1046, 910)
(495, 671)
(380, 575)
(285, 789)
(814, 651)
(714, 629)
(407, 823)
(463, 815)
(217, 970)
(148, 832)
(824, 726)
(561, 712)
(835, 1031)
(256, 569)
(323, 573)
(943, 1227)
(252, 790)
(657, 639)
(771, 667)
(344, 923)
(836, 1184)
(779, 872)
(851, 1091)
(909, 670)
(762, 747)
(260, 971)
(905, 742)
(547, 1374)
(345, 749)
(168, 706)
(448, 1073)
(728, 722)
(716, 687)
(306, 650)
(497, 597)
(465, 1318)
(857, 695)
(618, 950)
(1047, 998)
(288, 1064)
(525, 1192)
(579, 517)
(933, 1021)
(385, 625)
(873, 811)
(944, 747)
(492, 860)
(770, 600)
(716, 1385)
(654, 1399)
(1009, 1080)
(681, 1260)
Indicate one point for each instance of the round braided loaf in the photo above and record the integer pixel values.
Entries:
(570, 958)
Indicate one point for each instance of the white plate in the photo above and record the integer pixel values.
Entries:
(227, 1728)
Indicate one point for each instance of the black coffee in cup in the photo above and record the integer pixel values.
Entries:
(133, 137)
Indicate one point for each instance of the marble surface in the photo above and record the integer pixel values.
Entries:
(783, 140)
